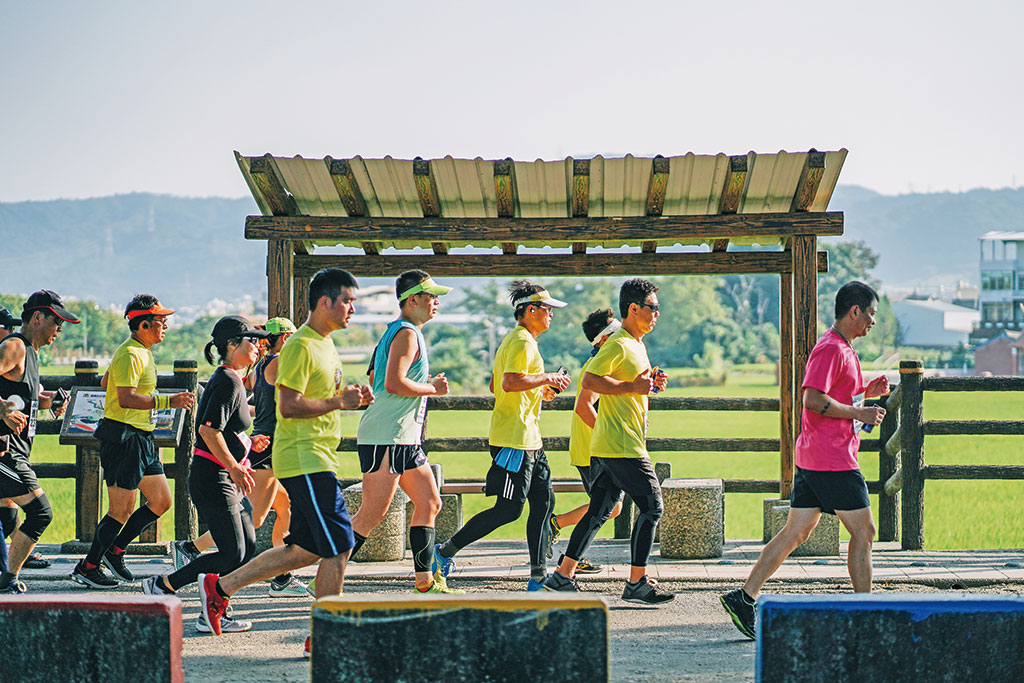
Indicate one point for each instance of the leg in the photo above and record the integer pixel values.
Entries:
(378, 491)
(799, 525)
(262, 495)
(38, 515)
(267, 565)
(421, 488)
(542, 502)
(604, 495)
(284, 515)
(642, 538)
(503, 512)
(862, 534)
(330, 577)
(231, 531)
(158, 501)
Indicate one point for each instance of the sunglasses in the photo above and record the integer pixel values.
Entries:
(654, 307)
(58, 322)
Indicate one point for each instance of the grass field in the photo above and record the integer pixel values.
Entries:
(958, 514)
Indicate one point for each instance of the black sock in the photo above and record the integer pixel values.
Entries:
(421, 541)
(360, 540)
(140, 520)
(8, 520)
(220, 591)
(190, 547)
(160, 581)
(747, 599)
(102, 539)
(282, 579)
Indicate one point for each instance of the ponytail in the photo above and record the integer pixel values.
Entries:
(208, 353)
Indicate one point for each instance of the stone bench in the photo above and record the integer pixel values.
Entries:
(493, 637)
(693, 524)
(449, 520)
(824, 540)
(904, 637)
(67, 637)
(386, 542)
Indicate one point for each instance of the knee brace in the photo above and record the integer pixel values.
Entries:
(8, 520)
(38, 515)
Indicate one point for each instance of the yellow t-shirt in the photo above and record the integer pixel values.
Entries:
(580, 432)
(621, 428)
(308, 364)
(515, 422)
(131, 366)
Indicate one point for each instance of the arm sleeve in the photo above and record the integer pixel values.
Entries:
(220, 402)
(293, 368)
(823, 367)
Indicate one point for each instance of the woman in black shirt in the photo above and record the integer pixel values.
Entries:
(220, 476)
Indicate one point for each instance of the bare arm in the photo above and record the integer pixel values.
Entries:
(401, 356)
(517, 381)
(128, 397)
(818, 402)
(293, 404)
(12, 356)
(585, 401)
(603, 384)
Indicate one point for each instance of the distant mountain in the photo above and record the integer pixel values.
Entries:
(191, 250)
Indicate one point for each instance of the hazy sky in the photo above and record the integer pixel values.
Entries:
(98, 98)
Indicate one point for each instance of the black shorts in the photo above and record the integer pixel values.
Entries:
(320, 521)
(400, 457)
(261, 461)
(16, 476)
(829, 491)
(515, 486)
(634, 476)
(587, 477)
(211, 488)
(127, 454)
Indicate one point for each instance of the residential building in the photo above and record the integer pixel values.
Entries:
(1001, 299)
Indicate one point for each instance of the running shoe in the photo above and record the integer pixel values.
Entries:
(15, 587)
(213, 606)
(584, 566)
(311, 588)
(440, 587)
(149, 587)
(307, 648)
(561, 584)
(533, 585)
(182, 555)
(227, 625)
(441, 566)
(92, 577)
(115, 563)
(741, 609)
(647, 591)
(36, 561)
(291, 588)
(553, 531)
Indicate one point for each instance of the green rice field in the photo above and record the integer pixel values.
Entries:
(958, 514)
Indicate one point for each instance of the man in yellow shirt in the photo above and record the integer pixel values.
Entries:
(520, 469)
(621, 374)
(310, 397)
(129, 458)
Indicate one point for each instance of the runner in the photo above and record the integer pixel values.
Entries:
(520, 469)
(391, 430)
(598, 327)
(128, 456)
(827, 478)
(621, 373)
(21, 398)
(309, 398)
(220, 476)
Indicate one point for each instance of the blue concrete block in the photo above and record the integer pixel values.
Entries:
(904, 637)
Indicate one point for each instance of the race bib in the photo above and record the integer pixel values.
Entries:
(421, 412)
(858, 402)
(32, 412)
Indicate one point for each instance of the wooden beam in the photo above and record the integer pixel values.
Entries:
(580, 196)
(648, 247)
(496, 230)
(805, 317)
(503, 188)
(349, 193)
(268, 179)
(557, 265)
(810, 179)
(787, 440)
(657, 186)
(732, 191)
(279, 277)
(426, 187)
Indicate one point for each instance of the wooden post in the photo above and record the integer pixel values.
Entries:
(300, 299)
(279, 278)
(186, 378)
(912, 453)
(786, 398)
(888, 506)
(805, 316)
(88, 478)
(623, 524)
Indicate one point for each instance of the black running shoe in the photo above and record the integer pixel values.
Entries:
(93, 578)
(561, 584)
(36, 561)
(647, 591)
(115, 563)
(739, 607)
(585, 566)
(553, 532)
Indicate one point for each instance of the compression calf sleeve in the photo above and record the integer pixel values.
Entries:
(102, 539)
(360, 540)
(421, 541)
(140, 520)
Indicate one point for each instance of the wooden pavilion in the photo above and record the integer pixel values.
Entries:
(584, 210)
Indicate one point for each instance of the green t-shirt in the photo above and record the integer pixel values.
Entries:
(131, 366)
(580, 432)
(515, 421)
(621, 428)
(310, 365)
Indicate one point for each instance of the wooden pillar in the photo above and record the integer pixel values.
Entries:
(279, 278)
(786, 434)
(888, 506)
(300, 299)
(912, 454)
(186, 378)
(88, 479)
(805, 316)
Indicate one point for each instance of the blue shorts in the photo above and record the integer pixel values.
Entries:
(320, 521)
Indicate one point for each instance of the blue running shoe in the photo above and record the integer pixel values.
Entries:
(533, 586)
(440, 565)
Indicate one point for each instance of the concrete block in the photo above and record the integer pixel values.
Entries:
(447, 522)
(496, 637)
(623, 524)
(691, 527)
(66, 637)
(892, 637)
(824, 540)
(387, 541)
(264, 535)
(768, 504)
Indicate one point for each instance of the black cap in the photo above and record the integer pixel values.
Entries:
(232, 326)
(7, 320)
(45, 300)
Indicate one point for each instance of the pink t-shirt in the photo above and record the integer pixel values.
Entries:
(829, 443)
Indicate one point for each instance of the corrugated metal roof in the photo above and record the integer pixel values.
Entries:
(544, 189)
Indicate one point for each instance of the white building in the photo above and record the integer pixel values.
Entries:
(1001, 263)
(929, 322)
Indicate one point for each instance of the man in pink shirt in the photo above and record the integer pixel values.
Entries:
(827, 476)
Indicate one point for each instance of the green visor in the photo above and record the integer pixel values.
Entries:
(428, 286)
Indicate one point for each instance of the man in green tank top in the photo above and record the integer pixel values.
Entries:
(391, 429)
